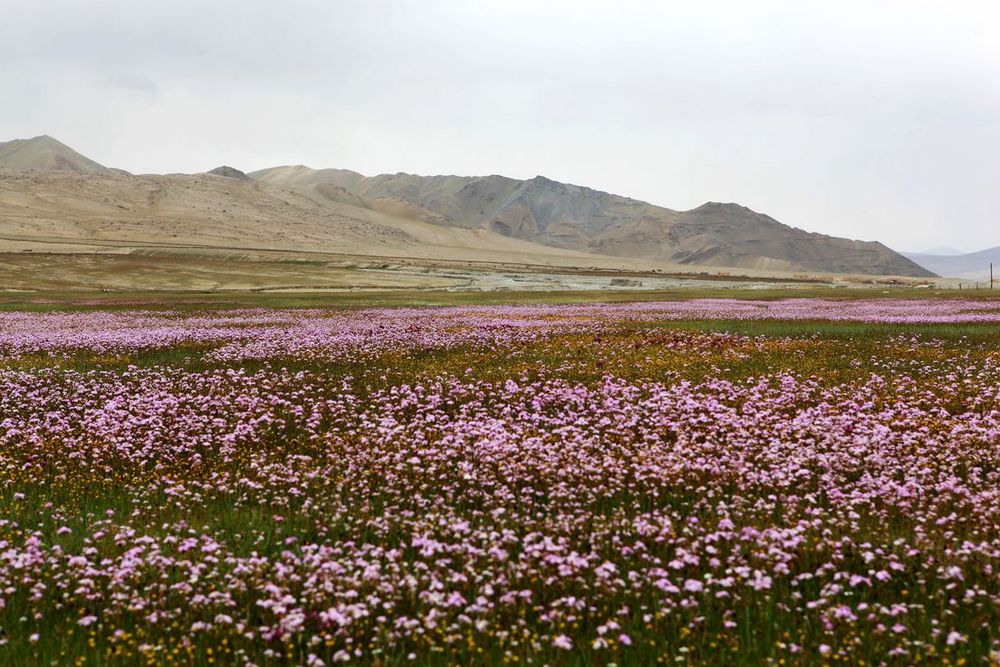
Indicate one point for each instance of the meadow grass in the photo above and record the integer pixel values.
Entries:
(201, 301)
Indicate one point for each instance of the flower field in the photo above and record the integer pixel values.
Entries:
(707, 482)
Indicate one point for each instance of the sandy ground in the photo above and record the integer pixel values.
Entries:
(129, 269)
(133, 272)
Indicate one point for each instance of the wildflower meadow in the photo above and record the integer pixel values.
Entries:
(703, 482)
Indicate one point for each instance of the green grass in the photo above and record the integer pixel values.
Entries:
(213, 300)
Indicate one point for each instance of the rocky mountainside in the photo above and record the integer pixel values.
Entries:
(579, 218)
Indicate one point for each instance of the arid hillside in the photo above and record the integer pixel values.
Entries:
(52, 199)
(578, 218)
(51, 208)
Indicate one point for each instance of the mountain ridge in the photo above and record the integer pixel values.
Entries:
(580, 218)
(538, 215)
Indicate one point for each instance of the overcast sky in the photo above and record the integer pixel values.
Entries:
(862, 119)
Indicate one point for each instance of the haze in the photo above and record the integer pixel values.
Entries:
(852, 119)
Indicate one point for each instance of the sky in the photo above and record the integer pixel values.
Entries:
(871, 120)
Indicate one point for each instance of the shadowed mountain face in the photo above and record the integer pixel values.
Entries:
(45, 153)
(578, 218)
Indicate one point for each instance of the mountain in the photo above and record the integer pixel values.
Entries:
(228, 172)
(941, 250)
(46, 153)
(971, 266)
(573, 217)
(61, 211)
(52, 195)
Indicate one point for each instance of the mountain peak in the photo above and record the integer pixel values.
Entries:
(542, 180)
(722, 206)
(229, 172)
(46, 153)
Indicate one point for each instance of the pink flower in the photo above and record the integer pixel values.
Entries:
(563, 642)
(693, 586)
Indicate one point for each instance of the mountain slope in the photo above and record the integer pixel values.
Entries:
(731, 235)
(579, 218)
(56, 210)
(972, 266)
(46, 153)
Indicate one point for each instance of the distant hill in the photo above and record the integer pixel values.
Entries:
(971, 266)
(578, 218)
(46, 153)
(228, 172)
(941, 250)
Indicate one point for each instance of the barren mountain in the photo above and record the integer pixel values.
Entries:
(579, 218)
(63, 211)
(228, 172)
(52, 198)
(46, 153)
